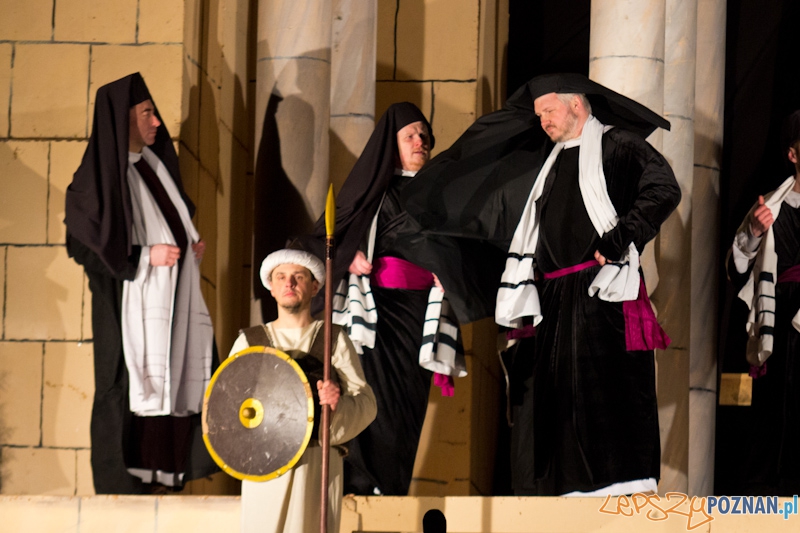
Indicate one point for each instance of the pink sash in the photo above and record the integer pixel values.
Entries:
(396, 273)
(642, 330)
(789, 275)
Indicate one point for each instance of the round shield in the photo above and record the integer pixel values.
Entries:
(258, 413)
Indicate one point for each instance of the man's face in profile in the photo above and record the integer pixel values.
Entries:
(143, 126)
(413, 146)
(559, 120)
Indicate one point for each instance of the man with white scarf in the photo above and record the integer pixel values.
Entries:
(129, 223)
(572, 272)
(537, 215)
(765, 264)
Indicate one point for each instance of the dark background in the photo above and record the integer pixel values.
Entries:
(762, 86)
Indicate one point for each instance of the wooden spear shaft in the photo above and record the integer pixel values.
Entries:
(325, 423)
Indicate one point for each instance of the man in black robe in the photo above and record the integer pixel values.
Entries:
(520, 227)
(381, 458)
(766, 248)
(129, 224)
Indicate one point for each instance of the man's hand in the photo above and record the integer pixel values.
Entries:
(437, 282)
(164, 255)
(360, 266)
(599, 258)
(761, 219)
(199, 248)
(328, 393)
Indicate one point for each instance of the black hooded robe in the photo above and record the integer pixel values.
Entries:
(98, 219)
(585, 413)
(382, 456)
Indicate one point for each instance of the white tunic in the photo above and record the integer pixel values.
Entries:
(291, 502)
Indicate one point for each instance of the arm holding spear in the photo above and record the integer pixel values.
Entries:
(325, 424)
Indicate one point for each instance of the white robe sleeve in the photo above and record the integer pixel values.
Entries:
(357, 406)
(239, 345)
(744, 250)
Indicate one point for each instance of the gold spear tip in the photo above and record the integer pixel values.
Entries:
(330, 212)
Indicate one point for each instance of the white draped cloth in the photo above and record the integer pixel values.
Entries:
(354, 309)
(617, 281)
(167, 333)
(759, 291)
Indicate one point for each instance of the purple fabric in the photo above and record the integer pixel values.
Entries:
(521, 333)
(791, 274)
(445, 383)
(758, 371)
(642, 330)
(570, 270)
(396, 273)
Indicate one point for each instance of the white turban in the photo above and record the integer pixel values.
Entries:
(293, 257)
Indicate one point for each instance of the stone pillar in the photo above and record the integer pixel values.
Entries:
(353, 83)
(626, 50)
(293, 99)
(675, 243)
(626, 54)
(709, 110)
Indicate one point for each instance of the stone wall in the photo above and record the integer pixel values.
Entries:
(197, 57)
(54, 54)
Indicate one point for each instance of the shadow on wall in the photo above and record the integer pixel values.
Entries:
(41, 302)
(280, 210)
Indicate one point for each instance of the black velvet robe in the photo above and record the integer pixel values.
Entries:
(382, 456)
(772, 464)
(585, 406)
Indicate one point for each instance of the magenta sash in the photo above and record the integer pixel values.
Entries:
(642, 330)
(570, 270)
(758, 371)
(791, 274)
(445, 383)
(529, 330)
(396, 273)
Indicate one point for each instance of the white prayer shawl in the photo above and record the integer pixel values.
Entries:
(354, 309)
(759, 291)
(167, 333)
(617, 281)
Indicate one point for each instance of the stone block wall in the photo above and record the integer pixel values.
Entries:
(197, 57)
(428, 55)
(54, 54)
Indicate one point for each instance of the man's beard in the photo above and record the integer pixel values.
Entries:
(292, 309)
(569, 130)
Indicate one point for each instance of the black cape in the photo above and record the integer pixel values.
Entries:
(98, 203)
(361, 194)
(98, 219)
(465, 204)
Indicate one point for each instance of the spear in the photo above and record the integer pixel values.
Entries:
(325, 423)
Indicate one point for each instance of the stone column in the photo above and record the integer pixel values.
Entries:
(674, 258)
(352, 83)
(293, 99)
(626, 54)
(626, 50)
(709, 110)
